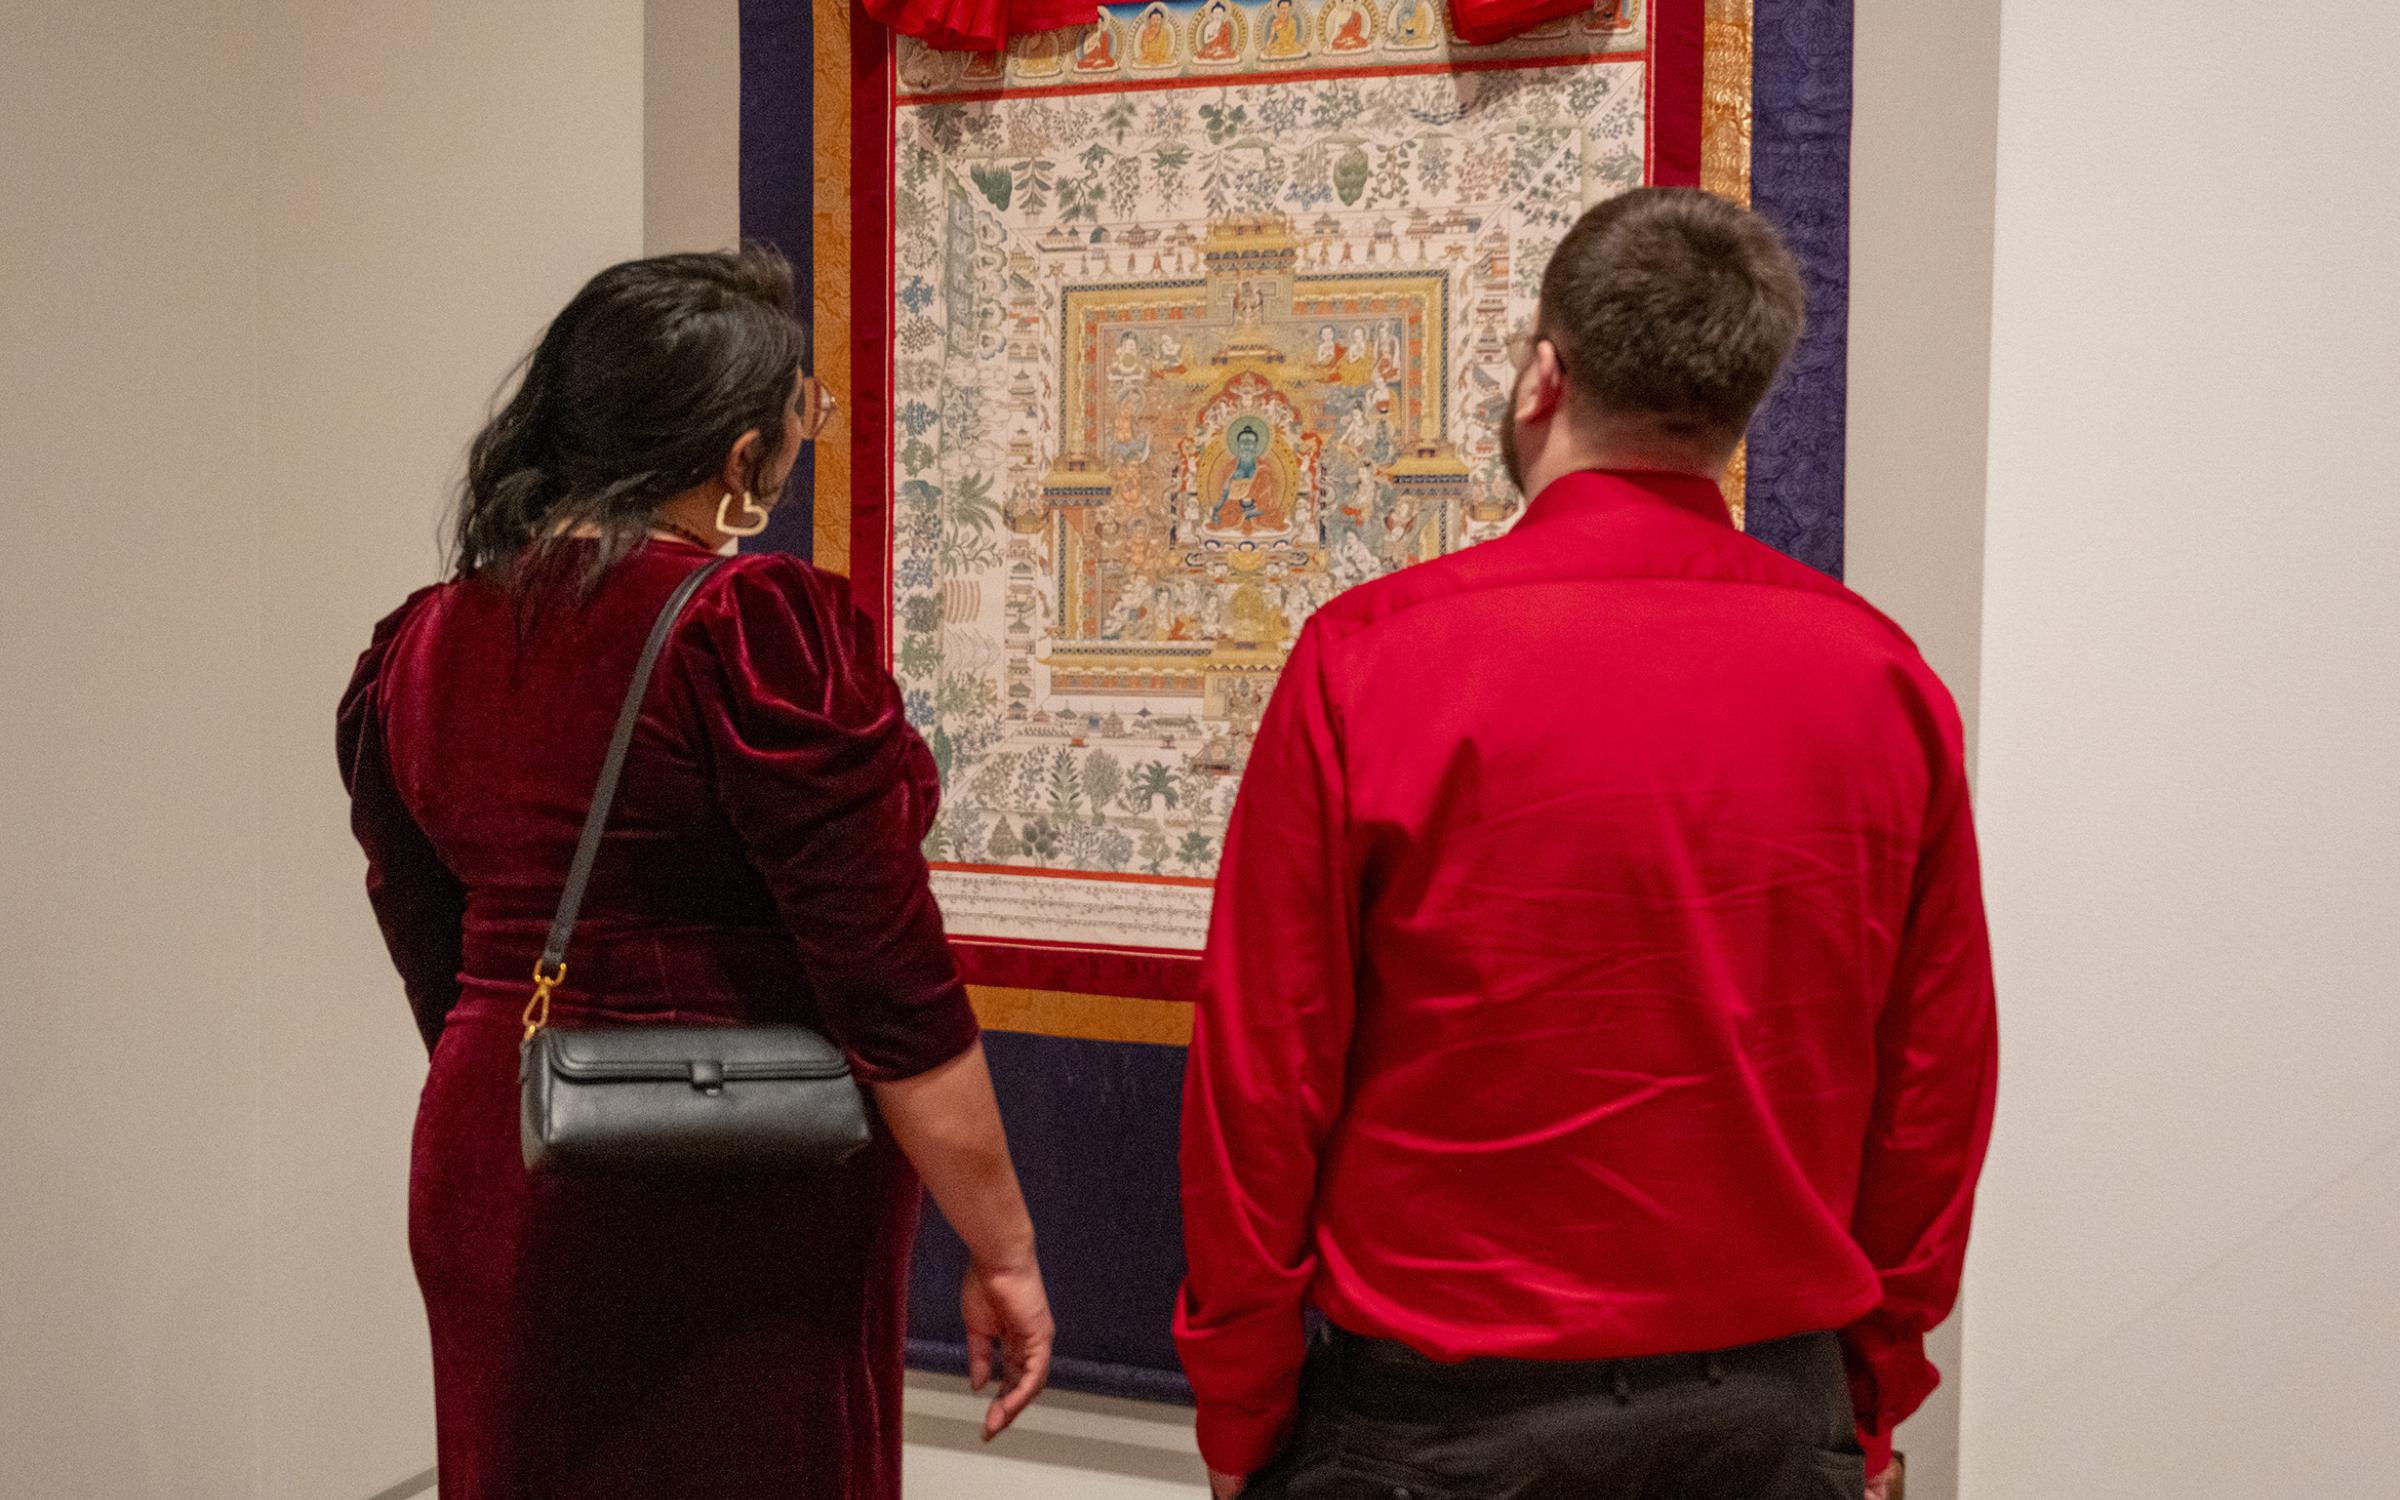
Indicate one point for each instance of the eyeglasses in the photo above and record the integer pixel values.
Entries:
(816, 405)
(1521, 344)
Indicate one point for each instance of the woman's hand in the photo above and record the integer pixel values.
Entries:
(949, 1124)
(1223, 1486)
(1008, 1314)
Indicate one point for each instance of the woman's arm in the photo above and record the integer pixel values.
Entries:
(831, 792)
(418, 903)
(948, 1122)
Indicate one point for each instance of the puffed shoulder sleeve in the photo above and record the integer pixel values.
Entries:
(418, 903)
(832, 793)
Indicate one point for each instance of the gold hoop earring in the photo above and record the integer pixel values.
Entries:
(752, 522)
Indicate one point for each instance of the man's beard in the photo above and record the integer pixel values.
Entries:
(1510, 459)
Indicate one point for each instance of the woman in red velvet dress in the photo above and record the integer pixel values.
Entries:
(669, 1337)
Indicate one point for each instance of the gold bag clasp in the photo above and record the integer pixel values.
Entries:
(537, 1009)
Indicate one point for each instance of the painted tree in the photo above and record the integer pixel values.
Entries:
(1228, 795)
(1155, 848)
(1005, 844)
(1041, 840)
(1115, 850)
(1197, 789)
(1033, 777)
(1196, 850)
(993, 779)
(970, 522)
(1153, 782)
(967, 838)
(1103, 779)
(1065, 783)
(920, 656)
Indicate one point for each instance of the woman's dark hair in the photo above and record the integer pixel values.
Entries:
(634, 395)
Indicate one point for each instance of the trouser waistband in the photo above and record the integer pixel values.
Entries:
(1393, 1367)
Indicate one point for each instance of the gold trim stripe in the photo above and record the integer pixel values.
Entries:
(1725, 100)
(1725, 125)
(1091, 1018)
(831, 249)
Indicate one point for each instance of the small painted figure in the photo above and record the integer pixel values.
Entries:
(1216, 34)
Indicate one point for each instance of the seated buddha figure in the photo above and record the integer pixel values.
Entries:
(1216, 39)
(1251, 495)
(1283, 32)
(1350, 32)
(1154, 40)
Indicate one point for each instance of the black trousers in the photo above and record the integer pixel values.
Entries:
(1379, 1421)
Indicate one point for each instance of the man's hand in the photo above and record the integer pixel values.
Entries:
(1008, 1314)
(1222, 1486)
(1889, 1484)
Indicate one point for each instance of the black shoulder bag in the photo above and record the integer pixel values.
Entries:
(668, 1099)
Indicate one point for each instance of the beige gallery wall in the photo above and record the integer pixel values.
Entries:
(2183, 1281)
(1922, 159)
(131, 685)
(436, 179)
(262, 265)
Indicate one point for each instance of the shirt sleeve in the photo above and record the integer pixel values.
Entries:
(1936, 1062)
(1264, 1080)
(419, 905)
(832, 793)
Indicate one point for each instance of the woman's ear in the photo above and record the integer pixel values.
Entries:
(740, 473)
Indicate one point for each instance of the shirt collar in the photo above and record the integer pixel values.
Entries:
(1580, 491)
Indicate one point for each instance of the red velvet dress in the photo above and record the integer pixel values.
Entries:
(621, 1339)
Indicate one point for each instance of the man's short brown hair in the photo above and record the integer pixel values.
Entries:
(1675, 306)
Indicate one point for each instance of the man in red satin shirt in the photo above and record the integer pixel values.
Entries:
(1598, 1026)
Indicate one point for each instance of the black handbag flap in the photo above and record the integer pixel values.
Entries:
(640, 1054)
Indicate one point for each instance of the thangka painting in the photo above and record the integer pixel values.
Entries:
(1159, 333)
(1198, 316)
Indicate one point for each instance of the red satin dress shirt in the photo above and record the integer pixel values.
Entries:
(1598, 970)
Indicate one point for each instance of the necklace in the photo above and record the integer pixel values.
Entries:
(685, 533)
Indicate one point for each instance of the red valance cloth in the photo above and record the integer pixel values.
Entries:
(987, 25)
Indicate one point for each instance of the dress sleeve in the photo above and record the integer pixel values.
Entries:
(832, 794)
(418, 903)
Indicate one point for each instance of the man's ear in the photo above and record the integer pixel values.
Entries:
(1544, 385)
(740, 472)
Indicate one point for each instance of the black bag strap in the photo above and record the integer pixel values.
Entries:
(553, 966)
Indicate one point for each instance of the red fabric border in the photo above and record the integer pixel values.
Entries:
(871, 92)
(986, 25)
(980, 25)
(1077, 971)
(1678, 59)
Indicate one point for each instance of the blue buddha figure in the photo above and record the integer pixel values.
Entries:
(1241, 485)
